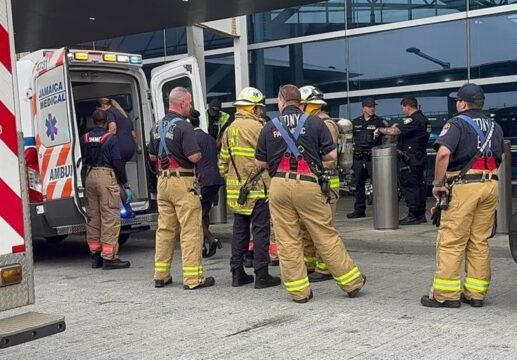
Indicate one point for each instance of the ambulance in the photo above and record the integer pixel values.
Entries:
(58, 91)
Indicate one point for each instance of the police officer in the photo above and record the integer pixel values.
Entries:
(469, 151)
(104, 173)
(237, 165)
(175, 150)
(364, 140)
(413, 134)
(296, 195)
(312, 104)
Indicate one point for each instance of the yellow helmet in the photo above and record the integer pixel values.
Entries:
(312, 95)
(250, 96)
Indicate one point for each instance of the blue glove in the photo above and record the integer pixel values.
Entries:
(129, 194)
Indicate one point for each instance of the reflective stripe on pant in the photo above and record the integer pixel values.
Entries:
(103, 205)
(312, 260)
(179, 212)
(464, 231)
(260, 222)
(292, 201)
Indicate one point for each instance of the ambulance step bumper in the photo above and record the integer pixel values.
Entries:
(29, 326)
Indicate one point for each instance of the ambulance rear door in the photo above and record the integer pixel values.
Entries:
(183, 73)
(57, 142)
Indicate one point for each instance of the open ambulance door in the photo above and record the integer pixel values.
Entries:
(185, 73)
(57, 142)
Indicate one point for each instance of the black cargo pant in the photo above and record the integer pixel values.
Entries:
(413, 188)
(259, 220)
(362, 171)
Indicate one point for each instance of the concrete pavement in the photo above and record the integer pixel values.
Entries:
(120, 315)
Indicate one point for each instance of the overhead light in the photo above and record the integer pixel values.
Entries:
(91, 18)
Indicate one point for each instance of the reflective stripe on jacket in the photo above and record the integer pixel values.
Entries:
(242, 136)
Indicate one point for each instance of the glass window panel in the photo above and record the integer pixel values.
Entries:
(362, 13)
(480, 4)
(493, 42)
(149, 44)
(220, 78)
(320, 64)
(418, 55)
(297, 21)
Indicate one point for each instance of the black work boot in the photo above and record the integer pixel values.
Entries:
(96, 260)
(471, 302)
(433, 303)
(317, 277)
(305, 300)
(356, 214)
(115, 264)
(264, 279)
(162, 283)
(240, 278)
(209, 281)
(353, 293)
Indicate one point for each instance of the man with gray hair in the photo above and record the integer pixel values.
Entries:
(174, 148)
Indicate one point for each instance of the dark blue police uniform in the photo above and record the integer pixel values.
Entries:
(412, 146)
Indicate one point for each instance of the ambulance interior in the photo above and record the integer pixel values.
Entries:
(87, 87)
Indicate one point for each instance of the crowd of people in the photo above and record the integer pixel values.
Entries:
(281, 176)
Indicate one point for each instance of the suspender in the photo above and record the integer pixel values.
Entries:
(291, 138)
(485, 139)
(162, 131)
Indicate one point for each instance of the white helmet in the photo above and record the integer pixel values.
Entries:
(250, 96)
(311, 95)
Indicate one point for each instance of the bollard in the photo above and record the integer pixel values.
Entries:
(384, 178)
(504, 206)
(513, 237)
(218, 213)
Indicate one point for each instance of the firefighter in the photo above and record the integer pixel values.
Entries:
(237, 166)
(292, 148)
(104, 174)
(218, 120)
(312, 104)
(469, 151)
(364, 141)
(176, 151)
(413, 135)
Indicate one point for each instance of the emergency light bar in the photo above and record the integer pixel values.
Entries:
(104, 57)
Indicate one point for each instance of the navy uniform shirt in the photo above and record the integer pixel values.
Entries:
(463, 142)
(207, 168)
(414, 135)
(124, 133)
(363, 132)
(316, 139)
(181, 141)
(111, 152)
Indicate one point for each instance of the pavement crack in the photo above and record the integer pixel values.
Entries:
(268, 322)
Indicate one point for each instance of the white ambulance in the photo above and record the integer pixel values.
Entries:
(58, 91)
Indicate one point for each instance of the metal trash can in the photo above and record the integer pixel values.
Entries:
(385, 199)
(218, 213)
(504, 207)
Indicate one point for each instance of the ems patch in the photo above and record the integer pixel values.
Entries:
(407, 121)
(445, 129)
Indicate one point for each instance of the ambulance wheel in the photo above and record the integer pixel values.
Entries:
(122, 238)
(56, 239)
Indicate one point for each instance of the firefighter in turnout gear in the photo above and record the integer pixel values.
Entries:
(175, 150)
(469, 151)
(104, 173)
(312, 104)
(292, 148)
(247, 190)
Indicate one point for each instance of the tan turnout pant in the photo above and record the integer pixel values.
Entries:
(103, 206)
(179, 212)
(295, 201)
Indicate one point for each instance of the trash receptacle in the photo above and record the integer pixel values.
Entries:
(384, 178)
(218, 213)
(504, 207)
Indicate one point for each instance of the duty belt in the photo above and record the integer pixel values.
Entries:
(173, 172)
(296, 176)
(473, 178)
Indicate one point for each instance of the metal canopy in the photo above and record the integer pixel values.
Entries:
(51, 23)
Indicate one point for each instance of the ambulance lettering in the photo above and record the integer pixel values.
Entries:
(60, 172)
(51, 95)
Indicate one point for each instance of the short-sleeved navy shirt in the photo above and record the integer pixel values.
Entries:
(181, 140)
(207, 168)
(316, 139)
(363, 132)
(124, 133)
(111, 148)
(414, 134)
(463, 142)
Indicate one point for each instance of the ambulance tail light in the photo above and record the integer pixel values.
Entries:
(109, 57)
(33, 181)
(81, 56)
